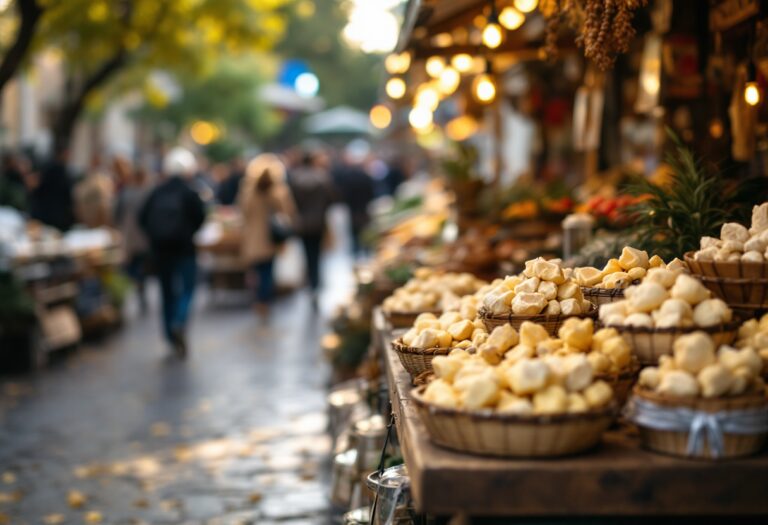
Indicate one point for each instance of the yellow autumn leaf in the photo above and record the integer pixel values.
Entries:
(53, 519)
(255, 497)
(93, 516)
(160, 429)
(9, 478)
(76, 499)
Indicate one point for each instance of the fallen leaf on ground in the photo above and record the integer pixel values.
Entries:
(11, 497)
(76, 499)
(93, 516)
(142, 503)
(170, 504)
(4, 519)
(53, 519)
(9, 478)
(255, 497)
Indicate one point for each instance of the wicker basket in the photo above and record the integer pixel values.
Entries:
(648, 344)
(676, 443)
(598, 296)
(405, 319)
(550, 322)
(487, 433)
(417, 361)
(622, 382)
(740, 284)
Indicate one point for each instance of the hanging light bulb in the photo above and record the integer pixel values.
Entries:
(526, 6)
(492, 35)
(397, 63)
(405, 61)
(449, 81)
(752, 93)
(434, 66)
(395, 88)
(462, 62)
(511, 18)
(483, 87)
(427, 96)
(716, 128)
(420, 118)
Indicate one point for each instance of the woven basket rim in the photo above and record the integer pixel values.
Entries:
(489, 415)
(483, 314)
(625, 373)
(688, 257)
(399, 346)
(714, 329)
(594, 291)
(750, 399)
(388, 313)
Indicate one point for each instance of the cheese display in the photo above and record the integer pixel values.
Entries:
(431, 291)
(737, 243)
(632, 265)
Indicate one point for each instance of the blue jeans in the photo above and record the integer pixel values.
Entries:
(178, 276)
(265, 287)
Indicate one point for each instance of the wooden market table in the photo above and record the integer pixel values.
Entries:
(617, 479)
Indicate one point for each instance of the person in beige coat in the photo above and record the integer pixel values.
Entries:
(264, 198)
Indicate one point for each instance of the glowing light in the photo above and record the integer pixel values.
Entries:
(449, 81)
(307, 85)
(397, 63)
(462, 62)
(305, 8)
(434, 66)
(526, 6)
(395, 88)
(427, 96)
(511, 18)
(420, 118)
(484, 89)
(204, 133)
(752, 94)
(371, 27)
(442, 40)
(381, 116)
(461, 128)
(492, 35)
(716, 128)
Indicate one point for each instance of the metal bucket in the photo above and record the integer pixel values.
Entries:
(361, 516)
(368, 436)
(344, 477)
(346, 402)
(393, 497)
(577, 232)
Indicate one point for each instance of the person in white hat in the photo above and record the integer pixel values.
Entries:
(170, 217)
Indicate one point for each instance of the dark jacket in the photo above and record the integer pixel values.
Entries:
(313, 193)
(186, 218)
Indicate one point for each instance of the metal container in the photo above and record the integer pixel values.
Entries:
(346, 402)
(577, 232)
(368, 436)
(393, 497)
(361, 516)
(344, 478)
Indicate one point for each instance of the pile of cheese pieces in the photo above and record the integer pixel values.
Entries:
(737, 243)
(631, 266)
(450, 330)
(666, 299)
(429, 289)
(544, 288)
(468, 305)
(696, 369)
(519, 383)
(754, 334)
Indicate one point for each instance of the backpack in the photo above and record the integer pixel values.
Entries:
(166, 219)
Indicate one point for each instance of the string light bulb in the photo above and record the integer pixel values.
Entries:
(449, 81)
(493, 34)
(483, 87)
(395, 88)
(511, 18)
(427, 96)
(462, 62)
(420, 118)
(526, 6)
(434, 66)
(380, 116)
(751, 89)
(397, 63)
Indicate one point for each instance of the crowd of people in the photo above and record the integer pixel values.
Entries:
(279, 196)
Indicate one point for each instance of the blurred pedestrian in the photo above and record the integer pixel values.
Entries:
(357, 191)
(132, 184)
(226, 193)
(13, 172)
(50, 197)
(268, 217)
(93, 196)
(313, 192)
(170, 217)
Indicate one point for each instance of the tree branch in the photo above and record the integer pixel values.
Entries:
(29, 12)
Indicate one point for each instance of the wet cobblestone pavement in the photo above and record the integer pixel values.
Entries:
(116, 433)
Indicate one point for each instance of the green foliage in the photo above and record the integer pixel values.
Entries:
(461, 165)
(675, 217)
(16, 305)
(117, 287)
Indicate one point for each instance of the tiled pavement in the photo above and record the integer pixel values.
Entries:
(116, 433)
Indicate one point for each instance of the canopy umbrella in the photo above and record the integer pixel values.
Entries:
(338, 120)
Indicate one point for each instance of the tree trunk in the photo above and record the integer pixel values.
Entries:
(64, 125)
(29, 12)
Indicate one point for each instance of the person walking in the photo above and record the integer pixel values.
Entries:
(313, 192)
(132, 184)
(93, 196)
(170, 217)
(268, 216)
